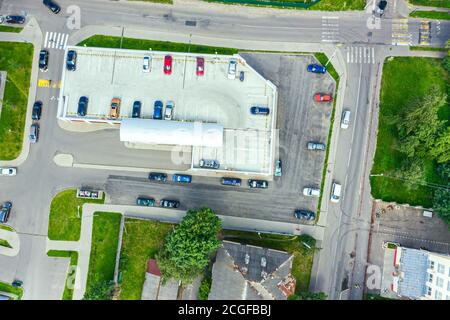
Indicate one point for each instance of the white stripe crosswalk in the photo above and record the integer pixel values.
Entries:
(330, 29)
(360, 54)
(56, 40)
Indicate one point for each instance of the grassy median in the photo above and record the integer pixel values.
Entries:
(439, 15)
(431, 3)
(10, 29)
(6, 287)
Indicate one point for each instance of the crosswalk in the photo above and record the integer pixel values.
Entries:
(330, 29)
(360, 54)
(400, 32)
(56, 40)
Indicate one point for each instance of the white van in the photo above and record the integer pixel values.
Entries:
(335, 192)
(232, 66)
(345, 120)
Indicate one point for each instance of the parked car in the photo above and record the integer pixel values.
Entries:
(144, 201)
(311, 192)
(335, 192)
(146, 65)
(136, 111)
(37, 111)
(5, 211)
(322, 97)
(34, 133)
(181, 178)
(226, 181)
(210, 164)
(43, 60)
(15, 19)
(169, 110)
(381, 7)
(168, 64)
(52, 5)
(82, 106)
(200, 71)
(71, 61)
(158, 176)
(241, 76)
(2, 19)
(345, 120)
(316, 68)
(17, 283)
(259, 110)
(232, 68)
(157, 110)
(261, 184)
(115, 108)
(278, 168)
(8, 171)
(304, 215)
(166, 203)
(315, 146)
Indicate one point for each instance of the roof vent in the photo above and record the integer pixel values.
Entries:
(247, 258)
(263, 262)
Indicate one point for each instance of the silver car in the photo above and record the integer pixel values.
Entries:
(316, 146)
(34, 133)
(210, 164)
(232, 66)
(169, 110)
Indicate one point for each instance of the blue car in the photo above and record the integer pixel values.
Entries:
(231, 182)
(157, 110)
(259, 110)
(317, 68)
(182, 178)
(5, 211)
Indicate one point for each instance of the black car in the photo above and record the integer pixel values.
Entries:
(157, 176)
(82, 106)
(53, 6)
(37, 110)
(304, 215)
(5, 211)
(43, 60)
(262, 184)
(15, 19)
(71, 62)
(136, 113)
(241, 76)
(165, 203)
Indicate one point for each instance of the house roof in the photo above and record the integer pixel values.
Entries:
(413, 267)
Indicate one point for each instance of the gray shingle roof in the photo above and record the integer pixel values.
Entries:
(413, 264)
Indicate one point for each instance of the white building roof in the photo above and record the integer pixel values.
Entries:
(170, 132)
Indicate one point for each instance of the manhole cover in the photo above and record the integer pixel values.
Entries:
(191, 23)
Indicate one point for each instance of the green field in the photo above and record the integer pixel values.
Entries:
(432, 3)
(73, 255)
(10, 29)
(65, 215)
(404, 80)
(16, 59)
(142, 239)
(431, 15)
(5, 287)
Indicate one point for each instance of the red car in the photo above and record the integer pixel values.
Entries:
(168, 64)
(200, 66)
(322, 97)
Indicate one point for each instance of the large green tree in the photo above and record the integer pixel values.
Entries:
(187, 249)
(441, 148)
(441, 203)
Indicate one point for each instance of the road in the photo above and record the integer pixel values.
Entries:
(343, 257)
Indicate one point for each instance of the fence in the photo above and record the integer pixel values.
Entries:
(305, 4)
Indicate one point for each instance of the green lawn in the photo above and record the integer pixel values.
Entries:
(155, 1)
(426, 48)
(4, 243)
(73, 255)
(16, 59)
(10, 29)
(65, 220)
(5, 287)
(105, 238)
(431, 15)
(325, 5)
(142, 239)
(404, 79)
(432, 3)
(338, 5)
(140, 44)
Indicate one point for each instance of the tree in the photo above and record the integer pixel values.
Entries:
(443, 170)
(186, 250)
(101, 290)
(441, 204)
(307, 295)
(441, 148)
(412, 172)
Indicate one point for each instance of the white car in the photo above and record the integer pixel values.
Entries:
(311, 192)
(169, 110)
(8, 171)
(335, 192)
(147, 64)
(345, 120)
(232, 67)
(2, 18)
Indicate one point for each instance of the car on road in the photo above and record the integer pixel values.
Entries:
(168, 65)
(157, 110)
(209, 164)
(311, 192)
(146, 65)
(82, 106)
(8, 171)
(315, 146)
(257, 110)
(15, 19)
(115, 108)
(136, 111)
(278, 168)
(5, 211)
(145, 201)
(52, 5)
(158, 176)
(304, 215)
(71, 61)
(232, 68)
(37, 111)
(241, 76)
(316, 68)
(43, 60)
(182, 178)
(34, 133)
(345, 120)
(323, 97)
(166, 203)
(169, 110)
(227, 181)
(200, 70)
(335, 192)
(260, 184)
